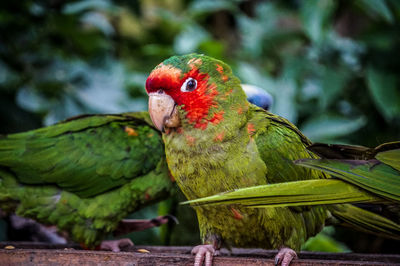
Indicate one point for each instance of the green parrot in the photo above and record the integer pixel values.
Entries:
(85, 175)
(216, 141)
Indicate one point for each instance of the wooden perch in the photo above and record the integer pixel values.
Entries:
(19, 253)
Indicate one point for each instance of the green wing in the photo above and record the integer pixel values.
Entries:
(391, 158)
(279, 144)
(373, 176)
(86, 155)
(296, 193)
(375, 170)
(365, 221)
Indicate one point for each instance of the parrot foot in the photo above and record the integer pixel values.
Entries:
(131, 225)
(285, 256)
(116, 245)
(207, 251)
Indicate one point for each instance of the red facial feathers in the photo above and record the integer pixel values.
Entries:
(198, 103)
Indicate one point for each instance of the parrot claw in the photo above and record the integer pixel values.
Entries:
(201, 251)
(116, 245)
(285, 256)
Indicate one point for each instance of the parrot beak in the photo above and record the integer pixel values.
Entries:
(163, 111)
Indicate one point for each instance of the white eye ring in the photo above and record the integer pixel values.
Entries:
(190, 84)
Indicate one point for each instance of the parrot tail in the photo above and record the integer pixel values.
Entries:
(365, 221)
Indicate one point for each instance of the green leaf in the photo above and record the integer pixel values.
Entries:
(384, 91)
(333, 82)
(210, 6)
(251, 74)
(99, 21)
(327, 127)
(189, 39)
(80, 6)
(324, 242)
(285, 104)
(31, 100)
(212, 48)
(251, 29)
(315, 16)
(377, 8)
(7, 75)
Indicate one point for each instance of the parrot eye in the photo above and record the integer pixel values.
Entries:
(189, 85)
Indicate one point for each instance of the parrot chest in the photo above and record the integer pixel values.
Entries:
(212, 169)
(207, 168)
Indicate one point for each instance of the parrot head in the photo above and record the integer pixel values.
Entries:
(193, 91)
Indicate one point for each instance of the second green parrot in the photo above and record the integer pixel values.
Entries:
(85, 175)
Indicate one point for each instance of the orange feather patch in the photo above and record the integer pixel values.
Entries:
(165, 72)
(220, 136)
(217, 117)
(195, 61)
(220, 69)
(190, 140)
(171, 177)
(236, 214)
(147, 196)
(131, 132)
(250, 129)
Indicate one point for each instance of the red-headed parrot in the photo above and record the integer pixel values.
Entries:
(216, 141)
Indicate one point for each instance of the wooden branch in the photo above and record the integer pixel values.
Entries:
(44, 254)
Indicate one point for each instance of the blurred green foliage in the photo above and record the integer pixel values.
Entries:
(332, 66)
(324, 242)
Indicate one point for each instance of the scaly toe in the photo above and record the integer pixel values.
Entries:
(285, 256)
(204, 252)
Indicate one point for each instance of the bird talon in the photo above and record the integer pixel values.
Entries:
(204, 253)
(285, 256)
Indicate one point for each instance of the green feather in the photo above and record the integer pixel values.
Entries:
(391, 158)
(375, 177)
(296, 193)
(366, 221)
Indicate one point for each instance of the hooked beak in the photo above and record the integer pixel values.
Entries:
(163, 111)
